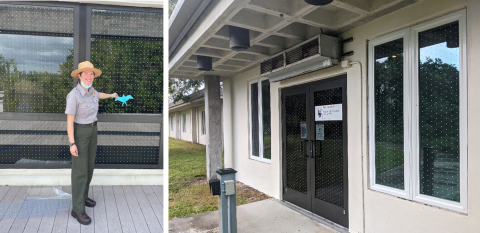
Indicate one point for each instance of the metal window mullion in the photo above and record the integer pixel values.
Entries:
(160, 146)
(88, 32)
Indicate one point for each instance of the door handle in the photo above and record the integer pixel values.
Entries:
(301, 148)
(312, 150)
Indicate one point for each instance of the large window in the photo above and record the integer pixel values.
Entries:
(40, 45)
(260, 129)
(417, 104)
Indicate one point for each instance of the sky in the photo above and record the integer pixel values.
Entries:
(39, 53)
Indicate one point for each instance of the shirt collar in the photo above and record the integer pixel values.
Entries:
(82, 91)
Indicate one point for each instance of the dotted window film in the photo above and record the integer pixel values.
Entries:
(267, 131)
(44, 142)
(439, 112)
(389, 132)
(130, 66)
(254, 116)
(36, 19)
(295, 115)
(127, 23)
(329, 152)
(36, 57)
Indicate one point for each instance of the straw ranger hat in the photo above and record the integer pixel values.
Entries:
(85, 66)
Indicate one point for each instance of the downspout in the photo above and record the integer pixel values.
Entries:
(349, 64)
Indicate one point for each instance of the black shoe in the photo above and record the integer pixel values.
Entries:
(90, 203)
(82, 218)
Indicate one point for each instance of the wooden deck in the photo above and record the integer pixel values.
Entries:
(137, 209)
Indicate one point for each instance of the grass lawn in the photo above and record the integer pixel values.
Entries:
(189, 193)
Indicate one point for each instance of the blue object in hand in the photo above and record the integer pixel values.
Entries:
(124, 99)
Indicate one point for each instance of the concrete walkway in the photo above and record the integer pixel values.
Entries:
(263, 216)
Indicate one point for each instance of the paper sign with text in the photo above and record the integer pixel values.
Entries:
(328, 112)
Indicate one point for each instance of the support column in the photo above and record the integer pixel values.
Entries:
(194, 126)
(213, 124)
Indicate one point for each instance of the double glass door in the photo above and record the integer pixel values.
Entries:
(314, 121)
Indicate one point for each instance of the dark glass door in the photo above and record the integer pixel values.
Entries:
(315, 148)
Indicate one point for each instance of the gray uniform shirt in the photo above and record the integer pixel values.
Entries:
(82, 104)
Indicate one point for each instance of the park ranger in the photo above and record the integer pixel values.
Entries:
(81, 110)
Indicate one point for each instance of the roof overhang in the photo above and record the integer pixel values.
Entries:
(275, 26)
(136, 3)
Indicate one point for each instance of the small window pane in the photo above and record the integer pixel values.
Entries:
(254, 117)
(137, 24)
(184, 121)
(36, 19)
(389, 157)
(439, 112)
(267, 150)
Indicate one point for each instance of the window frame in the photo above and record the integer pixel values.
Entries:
(405, 193)
(411, 114)
(260, 157)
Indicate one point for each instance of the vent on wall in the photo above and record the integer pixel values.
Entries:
(317, 53)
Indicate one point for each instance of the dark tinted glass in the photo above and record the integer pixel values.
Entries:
(254, 116)
(439, 112)
(329, 184)
(130, 66)
(267, 132)
(389, 157)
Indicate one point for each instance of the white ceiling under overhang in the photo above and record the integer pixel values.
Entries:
(275, 25)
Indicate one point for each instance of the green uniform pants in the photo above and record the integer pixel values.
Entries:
(82, 166)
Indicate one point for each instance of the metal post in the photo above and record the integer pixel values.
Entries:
(227, 201)
(428, 160)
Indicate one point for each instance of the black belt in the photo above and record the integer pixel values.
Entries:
(93, 124)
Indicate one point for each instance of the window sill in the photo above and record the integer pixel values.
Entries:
(423, 200)
(269, 161)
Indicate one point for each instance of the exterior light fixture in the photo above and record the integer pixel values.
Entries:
(239, 38)
(319, 2)
(204, 63)
(394, 56)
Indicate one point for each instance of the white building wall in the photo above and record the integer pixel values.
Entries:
(370, 211)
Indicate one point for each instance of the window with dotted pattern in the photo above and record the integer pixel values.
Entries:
(418, 113)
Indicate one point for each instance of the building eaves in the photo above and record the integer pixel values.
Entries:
(182, 19)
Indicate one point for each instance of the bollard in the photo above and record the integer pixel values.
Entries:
(428, 159)
(224, 187)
